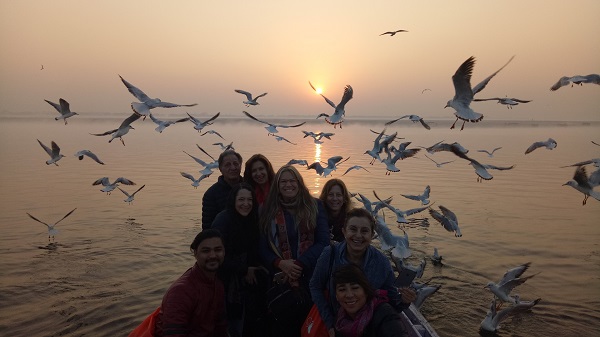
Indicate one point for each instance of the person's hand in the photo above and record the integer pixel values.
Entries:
(408, 295)
(292, 270)
(331, 332)
(250, 276)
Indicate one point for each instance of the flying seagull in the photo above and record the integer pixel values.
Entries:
(338, 115)
(51, 230)
(447, 219)
(108, 186)
(122, 130)
(394, 32)
(413, 118)
(54, 153)
(490, 153)
(199, 125)
(511, 279)
(423, 198)
(463, 93)
(549, 144)
(131, 196)
(272, 128)
(440, 163)
(82, 153)
(146, 103)
(63, 109)
(195, 182)
(481, 170)
(250, 101)
(355, 167)
(508, 101)
(162, 125)
(577, 79)
(585, 184)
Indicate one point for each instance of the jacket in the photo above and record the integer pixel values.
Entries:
(214, 201)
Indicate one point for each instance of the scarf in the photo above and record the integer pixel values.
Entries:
(349, 327)
(306, 237)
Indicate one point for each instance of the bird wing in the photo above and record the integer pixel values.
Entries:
(462, 81)
(206, 153)
(105, 133)
(348, 92)
(243, 92)
(89, 154)
(65, 216)
(326, 99)
(156, 120)
(56, 106)
(560, 83)
(47, 149)
(501, 168)
(425, 125)
(415, 210)
(448, 213)
(187, 175)
(198, 160)
(259, 96)
(134, 116)
(254, 118)
(487, 99)
(55, 149)
(139, 189)
(104, 181)
(124, 192)
(520, 100)
(514, 272)
(64, 106)
(292, 126)
(36, 219)
(581, 178)
(136, 92)
(170, 105)
(534, 146)
(124, 181)
(485, 82)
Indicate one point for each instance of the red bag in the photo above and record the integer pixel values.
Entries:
(146, 328)
(313, 324)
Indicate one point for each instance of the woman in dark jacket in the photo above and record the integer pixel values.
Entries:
(244, 278)
(364, 312)
(336, 198)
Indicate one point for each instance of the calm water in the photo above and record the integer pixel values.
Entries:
(112, 261)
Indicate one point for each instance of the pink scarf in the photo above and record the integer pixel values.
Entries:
(349, 327)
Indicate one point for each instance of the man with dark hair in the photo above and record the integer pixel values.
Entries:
(194, 305)
(215, 198)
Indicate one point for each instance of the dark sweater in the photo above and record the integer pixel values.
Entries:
(386, 322)
(214, 201)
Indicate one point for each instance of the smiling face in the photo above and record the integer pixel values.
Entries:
(358, 234)
(243, 202)
(259, 173)
(210, 254)
(288, 185)
(335, 200)
(230, 168)
(351, 297)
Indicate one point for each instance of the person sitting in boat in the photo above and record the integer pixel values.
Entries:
(259, 173)
(336, 198)
(215, 197)
(356, 249)
(244, 277)
(194, 305)
(364, 311)
(294, 232)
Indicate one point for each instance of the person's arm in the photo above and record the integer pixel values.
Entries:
(209, 208)
(232, 264)
(266, 253)
(177, 307)
(388, 284)
(319, 286)
(310, 256)
(386, 322)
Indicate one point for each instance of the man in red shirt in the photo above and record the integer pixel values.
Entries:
(194, 305)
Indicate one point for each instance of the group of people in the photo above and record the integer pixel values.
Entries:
(264, 228)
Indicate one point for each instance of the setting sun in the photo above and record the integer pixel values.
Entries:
(319, 90)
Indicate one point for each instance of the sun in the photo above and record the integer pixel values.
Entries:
(319, 91)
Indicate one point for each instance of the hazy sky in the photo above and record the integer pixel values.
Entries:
(200, 51)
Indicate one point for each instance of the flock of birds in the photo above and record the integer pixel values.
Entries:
(385, 150)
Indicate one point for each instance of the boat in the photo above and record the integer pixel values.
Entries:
(415, 324)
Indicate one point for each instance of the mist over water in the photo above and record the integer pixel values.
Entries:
(112, 262)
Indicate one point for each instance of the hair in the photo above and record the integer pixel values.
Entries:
(359, 212)
(331, 183)
(227, 153)
(233, 196)
(205, 234)
(306, 206)
(352, 273)
(248, 168)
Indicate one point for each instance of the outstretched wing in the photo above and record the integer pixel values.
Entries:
(36, 219)
(136, 92)
(243, 92)
(66, 216)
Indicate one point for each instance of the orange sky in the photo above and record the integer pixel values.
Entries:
(200, 51)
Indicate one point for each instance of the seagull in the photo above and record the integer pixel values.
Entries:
(447, 219)
(372, 207)
(250, 101)
(122, 130)
(423, 198)
(90, 154)
(390, 163)
(490, 153)
(400, 214)
(397, 245)
(42, 67)
(595, 162)
(318, 136)
(509, 102)
(131, 196)
(463, 93)
(593, 142)
(332, 164)
(379, 145)
(195, 182)
(436, 258)
(493, 318)
(441, 146)
(585, 184)
(199, 125)
(54, 153)
(212, 132)
(423, 293)
(108, 186)
(577, 79)
(549, 144)
(511, 279)
(164, 124)
(51, 230)
(146, 103)
(520, 306)
(338, 116)
(439, 164)
(208, 167)
(223, 146)
(63, 109)
(297, 161)
(423, 91)
(272, 128)
(355, 167)
(480, 169)
(413, 118)
(394, 32)
(280, 138)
